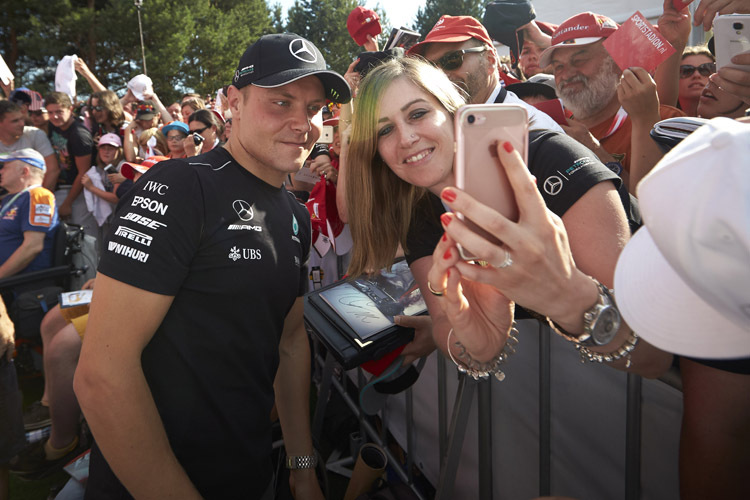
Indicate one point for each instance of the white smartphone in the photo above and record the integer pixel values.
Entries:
(731, 37)
(326, 136)
(479, 129)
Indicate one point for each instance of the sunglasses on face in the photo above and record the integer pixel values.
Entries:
(199, 130)
(454, 60)
(98, 108)
(705, 69)
(176, 138)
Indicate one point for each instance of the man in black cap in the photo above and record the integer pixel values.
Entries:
(197, 315)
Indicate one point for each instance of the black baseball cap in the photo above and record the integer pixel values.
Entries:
(275, 60)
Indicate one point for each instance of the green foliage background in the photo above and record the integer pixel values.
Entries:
(190, 45)
(429, 14)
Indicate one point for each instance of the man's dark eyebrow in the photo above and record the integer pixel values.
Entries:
(405, 107)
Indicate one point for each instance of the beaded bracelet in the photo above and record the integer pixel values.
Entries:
(477, 370)
(600, 357)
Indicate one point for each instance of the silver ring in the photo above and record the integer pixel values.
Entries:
(507, 262)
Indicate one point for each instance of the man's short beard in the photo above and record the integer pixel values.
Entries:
(475, 83)
(597, 91)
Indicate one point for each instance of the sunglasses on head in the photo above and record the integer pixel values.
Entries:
(705, 69)
(454, 60)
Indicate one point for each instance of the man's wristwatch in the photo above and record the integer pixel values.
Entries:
(301, 462)
(600, 323)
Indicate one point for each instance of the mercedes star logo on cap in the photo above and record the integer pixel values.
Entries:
(243, 209)
(302, 50)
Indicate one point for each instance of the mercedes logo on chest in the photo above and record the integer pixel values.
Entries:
(553, 185)
(303, 50)
(243, 209)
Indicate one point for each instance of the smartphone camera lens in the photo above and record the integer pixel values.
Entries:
(738, 26)
(470, 119)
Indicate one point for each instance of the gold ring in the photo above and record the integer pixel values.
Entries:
(433, 291)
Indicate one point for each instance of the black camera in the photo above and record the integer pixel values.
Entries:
(738, 26)
(110, 169)
(198, 139)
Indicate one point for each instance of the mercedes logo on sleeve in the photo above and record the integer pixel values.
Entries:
(303, 50)
(553, 185)
(243, 209)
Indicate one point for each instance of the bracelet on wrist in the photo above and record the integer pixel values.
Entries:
(474, 368)
(301, 462)
(600, 322)
(623, 351)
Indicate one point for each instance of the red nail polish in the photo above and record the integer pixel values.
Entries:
(449, 195)
(447, 254)
(445, 237)
(508, 147)
(445, 219)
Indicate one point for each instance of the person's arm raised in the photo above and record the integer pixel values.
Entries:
(638, 95)
(708, 9)
(166, 116)
(675, 26)
(83, 69)
(128, 144)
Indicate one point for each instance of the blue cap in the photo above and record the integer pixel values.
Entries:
(26, 155)
(176, 126)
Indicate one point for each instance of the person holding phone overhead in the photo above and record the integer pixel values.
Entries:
(399, 181)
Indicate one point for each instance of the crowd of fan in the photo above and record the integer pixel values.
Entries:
(89, 154)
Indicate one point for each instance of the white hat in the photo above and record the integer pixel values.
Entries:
(141, 85)
(683, 281)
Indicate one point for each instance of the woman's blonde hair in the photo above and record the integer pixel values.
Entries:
(380, 205)
(161, 140)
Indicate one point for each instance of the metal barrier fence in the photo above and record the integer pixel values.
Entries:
(452, 429)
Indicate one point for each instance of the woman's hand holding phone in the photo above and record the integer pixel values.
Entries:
(735, 81)
(533, 266)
